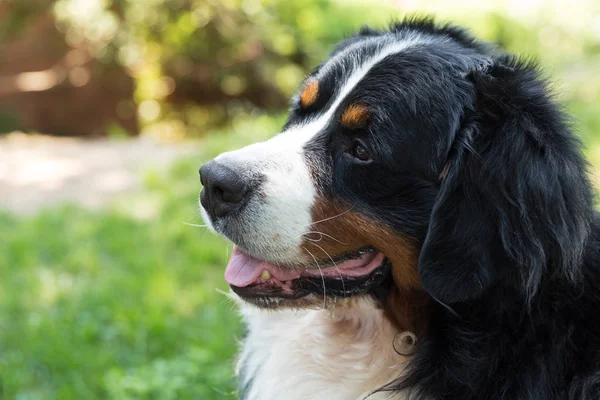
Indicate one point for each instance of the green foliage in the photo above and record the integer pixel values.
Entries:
(199, 63)
(223, 56)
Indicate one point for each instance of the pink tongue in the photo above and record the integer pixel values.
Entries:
(243, 269)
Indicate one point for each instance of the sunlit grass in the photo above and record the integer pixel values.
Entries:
(105, 305)
(124, 303)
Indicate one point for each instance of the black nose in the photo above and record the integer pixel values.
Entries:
(224, 190)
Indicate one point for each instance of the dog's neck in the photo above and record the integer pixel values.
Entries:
(505, 348)
(342, 353)
(408, 308)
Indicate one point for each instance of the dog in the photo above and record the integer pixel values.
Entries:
(422, 228)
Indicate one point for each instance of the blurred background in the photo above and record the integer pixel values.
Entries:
(108, 108)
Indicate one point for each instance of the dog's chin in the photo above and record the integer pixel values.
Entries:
(361, 272)
(311, 301)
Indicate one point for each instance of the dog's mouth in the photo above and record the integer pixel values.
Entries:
(346, 275)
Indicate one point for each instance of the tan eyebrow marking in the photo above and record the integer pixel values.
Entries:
(309, 94)
(355, 116)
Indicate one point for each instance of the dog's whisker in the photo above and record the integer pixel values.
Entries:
(336, 267)
(330, 218)
(321, 237)
(278, 265)
(195, 225)
(322, 277)
(310, 233)
(198, 214)
(228, 298)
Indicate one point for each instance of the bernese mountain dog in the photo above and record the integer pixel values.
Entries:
(422, 228)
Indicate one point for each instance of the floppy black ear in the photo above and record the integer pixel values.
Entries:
(515, 202)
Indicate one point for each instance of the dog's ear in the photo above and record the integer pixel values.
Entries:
(514, 200)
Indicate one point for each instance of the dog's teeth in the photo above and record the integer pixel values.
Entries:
(266, 275)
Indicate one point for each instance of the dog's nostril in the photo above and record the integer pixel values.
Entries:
(232, 192)
(226, 190)
(218, 192)
(233, 197)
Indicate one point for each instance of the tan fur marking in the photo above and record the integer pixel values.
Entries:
(355, 116)
(408, 309)
(444, 172)
(342, 230)
(309, 94)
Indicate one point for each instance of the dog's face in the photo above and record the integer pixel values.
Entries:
(339, 202)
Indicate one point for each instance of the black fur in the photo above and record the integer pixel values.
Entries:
(516, 203)
(510, 245)
(511, 250)
(472, 158)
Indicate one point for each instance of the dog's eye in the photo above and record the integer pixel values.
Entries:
(360, 152)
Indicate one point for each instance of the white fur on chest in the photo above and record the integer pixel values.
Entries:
(340, 354)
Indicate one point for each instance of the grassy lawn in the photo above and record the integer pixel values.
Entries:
(102, 306)
(99, 305)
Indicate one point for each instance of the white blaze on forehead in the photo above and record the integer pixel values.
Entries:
(359, 67)
(288, 193)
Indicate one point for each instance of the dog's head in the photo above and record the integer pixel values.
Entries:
(411, 157)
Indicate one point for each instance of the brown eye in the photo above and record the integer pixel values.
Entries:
(359, 151)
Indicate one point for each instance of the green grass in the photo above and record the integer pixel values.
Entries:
(100, 305)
